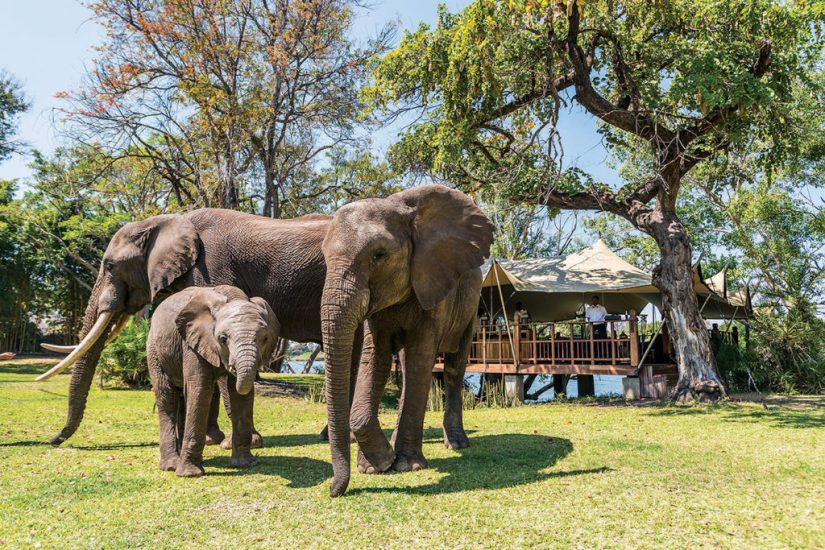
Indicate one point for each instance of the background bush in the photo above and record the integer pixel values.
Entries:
(786, 354)
(790, 351)
(123, 363)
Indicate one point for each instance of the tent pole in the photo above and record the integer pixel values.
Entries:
(506, 320)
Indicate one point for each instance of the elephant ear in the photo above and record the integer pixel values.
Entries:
(451, 235)
(273, 324)
(171, 244)
(196, 324)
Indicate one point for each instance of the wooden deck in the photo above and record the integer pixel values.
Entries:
(555, 348)
(571, 347)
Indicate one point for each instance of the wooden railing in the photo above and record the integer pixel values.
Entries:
(730, 337)
(557, 344)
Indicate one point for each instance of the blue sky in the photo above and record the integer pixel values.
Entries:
(47, 44)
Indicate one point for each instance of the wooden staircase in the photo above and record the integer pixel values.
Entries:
(658, 379)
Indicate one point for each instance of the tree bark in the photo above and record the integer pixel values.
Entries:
(279, 356)
(311, 360)
(698, 375)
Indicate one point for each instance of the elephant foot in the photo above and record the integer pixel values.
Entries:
(169, 464)
(383, 463)
(243, 461)
(257, 442)
(456, 439)
(187, 469)
(214, 435)
(409, 461)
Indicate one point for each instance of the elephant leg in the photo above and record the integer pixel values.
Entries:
(454, 365)
(418, 369)
(375, 454)
(199, 388)
(214, 435)
(241, 426)
(226, 443)
(167, 399)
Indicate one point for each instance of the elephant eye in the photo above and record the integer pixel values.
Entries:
(378, 254)
(222, 339)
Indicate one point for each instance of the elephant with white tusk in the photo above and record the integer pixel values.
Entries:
(279, 260)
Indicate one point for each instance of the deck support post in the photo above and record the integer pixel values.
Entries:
(559, 384)
(586, 385)
(514, 386)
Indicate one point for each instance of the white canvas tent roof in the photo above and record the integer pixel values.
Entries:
(719, 303)
(595, 269)
(552, 289)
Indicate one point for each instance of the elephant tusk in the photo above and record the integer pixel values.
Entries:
(58, 349)
(111, 338)
(121, 322)
(94, 334)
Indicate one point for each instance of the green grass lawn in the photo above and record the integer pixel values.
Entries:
(560, 475)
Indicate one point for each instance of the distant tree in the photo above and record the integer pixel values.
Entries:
(348, 173)
(53, 236)
(686, 78)
(231, 101)
(12, 104)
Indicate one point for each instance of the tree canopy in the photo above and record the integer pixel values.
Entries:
(12, 104)
(672, 84)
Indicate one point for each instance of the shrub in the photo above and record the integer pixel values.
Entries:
(123, 362)
(739, 368)
(791, 351)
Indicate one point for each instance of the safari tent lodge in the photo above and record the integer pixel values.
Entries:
(532, 321)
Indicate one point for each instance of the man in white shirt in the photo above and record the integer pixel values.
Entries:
(596, 314)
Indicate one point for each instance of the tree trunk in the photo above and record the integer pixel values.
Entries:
(279, 356)
(311, 360)
(698, 376)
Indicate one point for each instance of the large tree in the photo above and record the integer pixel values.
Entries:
(687, 78)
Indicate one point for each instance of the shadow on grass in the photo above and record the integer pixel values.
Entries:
(293, 440)
(24, 444)
(299, 471)
(495, 462)
(732, 412)
(115, 446)
(111, 447)
(436, 434)
(25, 368)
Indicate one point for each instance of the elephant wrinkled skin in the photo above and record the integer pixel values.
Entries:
(197, 336)
(408, 265)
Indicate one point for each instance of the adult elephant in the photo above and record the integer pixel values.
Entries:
(279, 260)
(409, 266)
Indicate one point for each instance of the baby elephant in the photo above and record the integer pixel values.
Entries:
(197, 336)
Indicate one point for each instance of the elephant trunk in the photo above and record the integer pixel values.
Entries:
(246, 366)
(94, 326)
(343, 307)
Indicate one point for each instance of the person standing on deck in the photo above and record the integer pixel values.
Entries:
(596, 314)
(522, 319)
